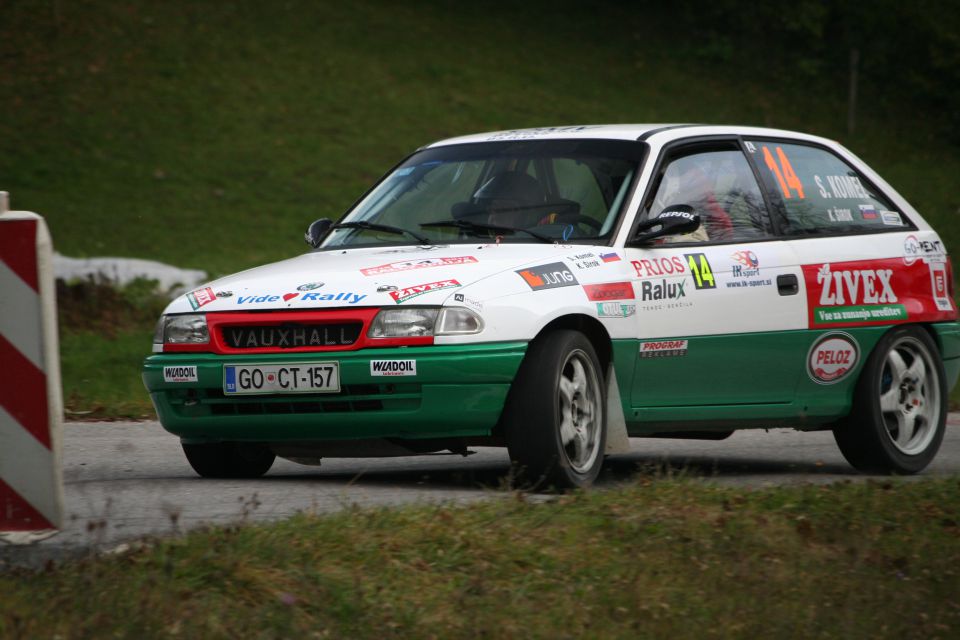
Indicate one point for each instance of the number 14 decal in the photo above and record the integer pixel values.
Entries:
(786, 177)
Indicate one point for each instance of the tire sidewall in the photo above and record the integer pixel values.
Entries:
(536, 443)
(869, 391)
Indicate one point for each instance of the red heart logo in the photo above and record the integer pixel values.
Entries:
(288, 296)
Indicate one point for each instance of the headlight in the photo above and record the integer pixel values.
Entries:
(403, 323)
(416, 322)
(458, 321)
(182, 329)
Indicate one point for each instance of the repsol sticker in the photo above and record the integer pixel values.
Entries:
(832, 357)
(393, 367)
(180, 374)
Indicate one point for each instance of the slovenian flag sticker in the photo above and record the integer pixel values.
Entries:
(868, 212)
(609, 257)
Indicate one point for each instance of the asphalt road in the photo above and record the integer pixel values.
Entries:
(126, 480)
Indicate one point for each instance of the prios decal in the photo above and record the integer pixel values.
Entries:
(832, 357)
(201, 297)
(393, 367)
(548, 276)
(406, 293)
(659, 267)
(609, 291)
(408, 265)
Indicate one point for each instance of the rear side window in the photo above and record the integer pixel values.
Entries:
(821, 194)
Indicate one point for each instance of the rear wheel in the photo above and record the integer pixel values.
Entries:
(229, 459)
(900, 406)
(555, 417)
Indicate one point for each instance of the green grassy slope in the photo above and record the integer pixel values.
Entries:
(209, 134)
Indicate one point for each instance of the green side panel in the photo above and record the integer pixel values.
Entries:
(948, 337)
(736, 378)
(459, 390)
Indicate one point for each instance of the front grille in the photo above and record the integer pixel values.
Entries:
(292, 336)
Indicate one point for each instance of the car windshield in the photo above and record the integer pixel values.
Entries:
(569, 191)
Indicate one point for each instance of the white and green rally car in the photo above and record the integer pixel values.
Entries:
(557, 290)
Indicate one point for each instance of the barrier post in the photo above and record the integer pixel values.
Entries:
(31, 404)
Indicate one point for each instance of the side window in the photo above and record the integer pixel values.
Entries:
(820, 192)
(721, 187)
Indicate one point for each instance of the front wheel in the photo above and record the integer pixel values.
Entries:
(555, 416)
(900, 406)
(229, 459)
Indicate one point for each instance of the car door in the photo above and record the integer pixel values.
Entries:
(715, 308)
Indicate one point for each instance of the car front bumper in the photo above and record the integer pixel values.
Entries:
(458, 391)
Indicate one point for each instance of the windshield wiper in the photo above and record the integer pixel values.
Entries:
(480, 226)
(373, 226)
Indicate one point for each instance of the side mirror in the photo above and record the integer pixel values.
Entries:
(674, 220)
(317, 231)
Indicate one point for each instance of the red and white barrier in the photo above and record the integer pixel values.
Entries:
(31, 405)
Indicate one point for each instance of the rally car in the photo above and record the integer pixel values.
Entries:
(559, 290)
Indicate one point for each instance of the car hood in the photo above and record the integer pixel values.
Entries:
(425, 275)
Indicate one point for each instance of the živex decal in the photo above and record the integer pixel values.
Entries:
(872, 292)
(419, 289)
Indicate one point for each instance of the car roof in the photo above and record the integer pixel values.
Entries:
(626, 132)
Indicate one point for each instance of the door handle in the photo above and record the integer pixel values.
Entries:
(787, 285)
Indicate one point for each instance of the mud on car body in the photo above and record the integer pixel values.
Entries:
(557, 290)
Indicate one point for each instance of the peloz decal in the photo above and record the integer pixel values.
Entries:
(663, 349)
(872, 292)
(548, 276)
(201, 297)
(832, 357)
(180, 374)
(419, 289)
(408, 265)
(609, 291)
(393, 367)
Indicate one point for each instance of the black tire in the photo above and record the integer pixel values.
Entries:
(555, 415)
(899, 407)
(229, 459)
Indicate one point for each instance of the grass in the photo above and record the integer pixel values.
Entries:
(661, 558)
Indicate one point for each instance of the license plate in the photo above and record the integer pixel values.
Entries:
(303, 377)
